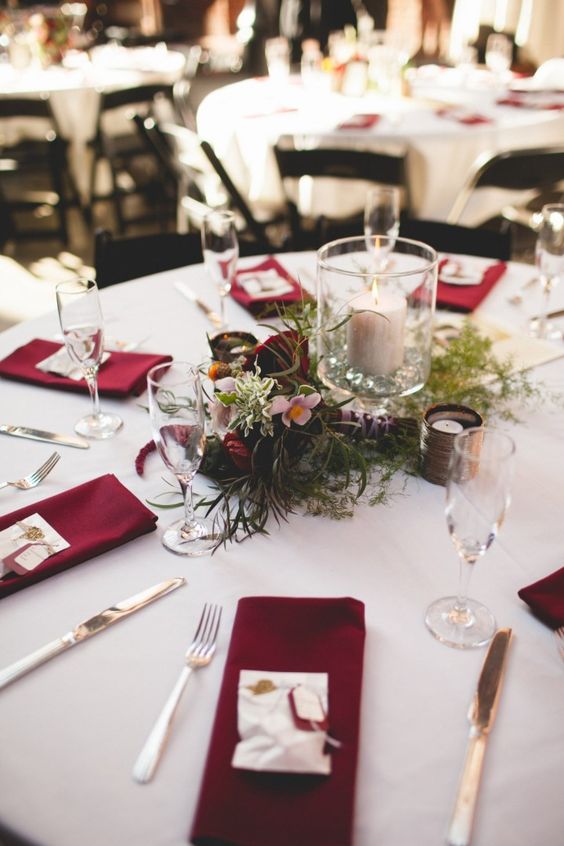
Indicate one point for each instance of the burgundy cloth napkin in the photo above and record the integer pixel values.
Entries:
(277, 110)
(92, 517)
(244, 808)
(360, 122)
(523, 103)
(468, 297)
(546, 598)
(265, 305)
(466, 119)
(120, 376)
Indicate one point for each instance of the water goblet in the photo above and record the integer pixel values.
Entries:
(477, 497)
(220, 247)
(381, 223)
(176, 409)
(499, 54)
(277, 54)
(550, 262)
(82, 324)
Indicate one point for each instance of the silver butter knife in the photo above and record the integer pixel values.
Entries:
(481, 717)
(87, 629)
(187, 292)
(551, 315)
(40, 435)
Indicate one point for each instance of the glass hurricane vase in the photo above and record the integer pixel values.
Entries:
(374, 331)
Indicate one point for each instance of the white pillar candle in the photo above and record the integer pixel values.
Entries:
(375, 333)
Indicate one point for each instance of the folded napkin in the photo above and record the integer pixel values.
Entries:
(468, 297)
(546, 598)
(122, 375)
(360, 122)
(526, 103)
(249, 808)
(93, 517)
(266, 303)
(466, 118)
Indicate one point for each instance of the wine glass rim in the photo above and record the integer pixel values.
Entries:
(549, 207)
(462, 437)
(428, 264)
(220, 214)
(77, 285)
(191, 368)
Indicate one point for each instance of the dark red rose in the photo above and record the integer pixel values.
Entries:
(281, 352)
(238, 452)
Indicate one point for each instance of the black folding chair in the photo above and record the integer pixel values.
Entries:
(539, 169)
(340, 164)
(34, 173)
(450, 238)
(121, 259)
(133, 169)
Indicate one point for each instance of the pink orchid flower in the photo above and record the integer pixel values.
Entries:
(297, 410)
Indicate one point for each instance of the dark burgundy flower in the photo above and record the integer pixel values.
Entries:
(281, 352)
(142, 456)
(238, 452)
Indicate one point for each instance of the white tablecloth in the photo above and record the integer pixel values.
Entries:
(71, 730)
(75, 89)
(243, 122)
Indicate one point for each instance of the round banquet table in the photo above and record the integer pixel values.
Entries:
(74, 89)
(243, 122)
(71, 730)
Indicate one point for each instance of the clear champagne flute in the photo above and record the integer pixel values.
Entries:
(550, 262)
(381, 223)
(220, 247)
(82, 324)
(499, 54)
(477, 497)
(176, 408)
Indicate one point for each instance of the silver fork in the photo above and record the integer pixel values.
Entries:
(33, 479)
(559, 637)
(199, 654)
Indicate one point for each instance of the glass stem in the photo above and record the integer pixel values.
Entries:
(189, 519)
(92, 382)
(461, 605)
(543, 317)
(222, 309)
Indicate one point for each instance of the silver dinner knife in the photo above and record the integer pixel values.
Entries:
(187, 292)
(86, 629)
(481, 717)
(551, 314)
(40, 435)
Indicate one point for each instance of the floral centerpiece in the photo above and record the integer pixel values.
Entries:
(281, 442)
(51, 34)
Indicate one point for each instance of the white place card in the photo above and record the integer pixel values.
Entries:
(27, 544)
(268, 720)
(60, 364)
(264, 283)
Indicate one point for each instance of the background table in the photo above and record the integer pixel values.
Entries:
(74, 91)
(243, 121)
(71, 730)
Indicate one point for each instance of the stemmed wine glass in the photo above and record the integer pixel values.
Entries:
(499, 54)
(550, 262)
(381, 218)
(477, 497)
(220, 247)
(82, 324)
(177, 418)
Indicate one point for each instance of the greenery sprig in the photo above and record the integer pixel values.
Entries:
(282, 444)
